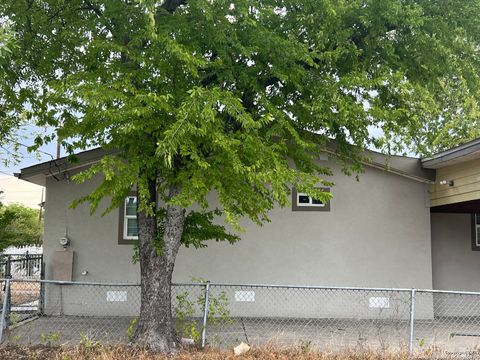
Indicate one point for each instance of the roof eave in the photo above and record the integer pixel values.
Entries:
(464, 152)
(38, 173)
(407, 167)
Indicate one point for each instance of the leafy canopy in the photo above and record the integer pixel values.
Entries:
(19, 226)
(8, 123)
(240, 96)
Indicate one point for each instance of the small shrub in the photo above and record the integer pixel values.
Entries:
(187, 324)
(50, 339)
(131, 328)
(88, 343)
(184, 313)
(13, 318)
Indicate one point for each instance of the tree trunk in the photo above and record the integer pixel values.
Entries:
(156, 328)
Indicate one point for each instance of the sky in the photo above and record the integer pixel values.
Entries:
(27, 137)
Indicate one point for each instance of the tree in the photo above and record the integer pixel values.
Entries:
(235, 98)
(19, 226)
(8, 124)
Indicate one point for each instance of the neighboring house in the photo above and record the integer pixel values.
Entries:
(408, 225)
(15, 191)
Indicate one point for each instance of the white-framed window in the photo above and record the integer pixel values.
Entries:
(130, 228)
(476, 231)
(306, 200)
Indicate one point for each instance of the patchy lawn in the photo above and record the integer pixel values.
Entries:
(92, 351)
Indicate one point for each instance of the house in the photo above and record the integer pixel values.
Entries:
(15, 191)
(411, 224)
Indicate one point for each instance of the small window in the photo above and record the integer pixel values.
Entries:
(130, 224)
(304, 202)
(128, 229)
(476, 232)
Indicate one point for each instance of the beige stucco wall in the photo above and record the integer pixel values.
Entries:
(377, 234)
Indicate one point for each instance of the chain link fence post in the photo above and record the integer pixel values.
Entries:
(205, 314)
(5, 307)
(8, 294)
(41, 303)
(8, 267)
(412, 320)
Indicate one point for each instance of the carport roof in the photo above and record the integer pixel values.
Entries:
(455, 155)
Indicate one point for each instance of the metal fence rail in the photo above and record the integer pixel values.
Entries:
(221, 315)
(21, 266)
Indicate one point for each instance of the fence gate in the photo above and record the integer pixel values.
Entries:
(26, 302)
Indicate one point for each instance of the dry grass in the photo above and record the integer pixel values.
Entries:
(122, 352)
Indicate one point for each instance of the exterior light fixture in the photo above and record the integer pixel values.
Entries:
(447, 182)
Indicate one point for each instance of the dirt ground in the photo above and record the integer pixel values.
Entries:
(23, 292)
(453, 335)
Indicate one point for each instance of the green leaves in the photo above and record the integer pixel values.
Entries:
(237, 98)
(8, 124)
(7, 39)
(19, 226)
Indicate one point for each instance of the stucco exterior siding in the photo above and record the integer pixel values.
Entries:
(455, 265)
(466, 183)
(377, 234)
(93, 238)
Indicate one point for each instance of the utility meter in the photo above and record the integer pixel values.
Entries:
(64, 241)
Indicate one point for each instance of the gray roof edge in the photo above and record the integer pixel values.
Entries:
(456, 152)
(400, 165)
(404, 166)
(84, 157)
(407, 167)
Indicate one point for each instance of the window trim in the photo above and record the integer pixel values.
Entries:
(475, 241)
(122, 238)
(310, 206)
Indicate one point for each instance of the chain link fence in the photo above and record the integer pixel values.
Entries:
(222, 315)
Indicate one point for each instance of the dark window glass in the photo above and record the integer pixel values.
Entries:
(131, 206)
(476, 232)
(303, 199)
(132, 229)
(317, 202)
